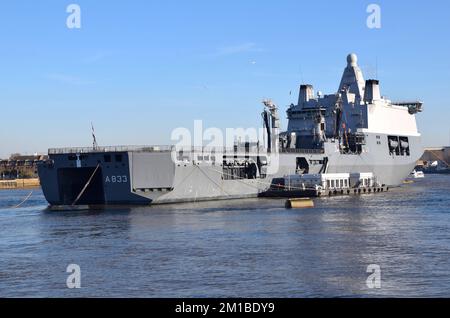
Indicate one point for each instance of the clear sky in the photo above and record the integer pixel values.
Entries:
(139, 69)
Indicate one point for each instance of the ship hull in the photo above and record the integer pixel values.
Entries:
(153, 177)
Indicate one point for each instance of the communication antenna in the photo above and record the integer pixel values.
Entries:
(301, 74)
(94, 140)
(376, 67)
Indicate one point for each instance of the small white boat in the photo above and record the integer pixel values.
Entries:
(417, 174)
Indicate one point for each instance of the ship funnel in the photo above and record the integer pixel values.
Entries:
(306, 93)
(372, 91)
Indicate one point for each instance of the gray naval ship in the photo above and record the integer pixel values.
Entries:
(351, 131)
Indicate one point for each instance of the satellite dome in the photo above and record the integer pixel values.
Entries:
(352, 59)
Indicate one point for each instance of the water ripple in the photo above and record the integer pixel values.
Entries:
(245, 248)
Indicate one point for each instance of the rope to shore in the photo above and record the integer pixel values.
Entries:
(25, 200)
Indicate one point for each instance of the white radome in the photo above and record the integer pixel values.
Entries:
(352, 59)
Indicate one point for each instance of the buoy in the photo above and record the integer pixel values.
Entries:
(299, 203)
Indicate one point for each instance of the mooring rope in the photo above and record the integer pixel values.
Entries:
(25, 200)
(85, 186)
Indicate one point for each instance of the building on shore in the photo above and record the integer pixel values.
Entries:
(20, 166)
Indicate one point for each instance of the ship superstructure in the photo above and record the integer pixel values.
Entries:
(354, 130)
(356, 109)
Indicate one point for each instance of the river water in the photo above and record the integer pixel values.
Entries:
(235, 248)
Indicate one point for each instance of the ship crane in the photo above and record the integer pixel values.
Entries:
(272, 124)
(269, 104)
(413, 107)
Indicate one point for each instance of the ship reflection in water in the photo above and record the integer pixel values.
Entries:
(232, 248)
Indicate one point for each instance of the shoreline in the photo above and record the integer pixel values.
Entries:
(20, 184)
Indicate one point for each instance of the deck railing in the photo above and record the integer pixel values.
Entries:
(303, 151)
(168, 148)
(80, 150)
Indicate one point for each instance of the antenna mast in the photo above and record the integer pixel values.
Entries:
(376, 68)
(94, 140)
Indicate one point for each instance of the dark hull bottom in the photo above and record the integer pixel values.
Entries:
(447, 171)
(289, 194)
(131, 204)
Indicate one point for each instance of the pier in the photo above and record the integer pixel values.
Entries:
(19, 184)
(325, 184)
(317, 193)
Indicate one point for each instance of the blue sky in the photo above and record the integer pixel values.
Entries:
(139, 69)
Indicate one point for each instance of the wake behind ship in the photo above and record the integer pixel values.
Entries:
(354, 130)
